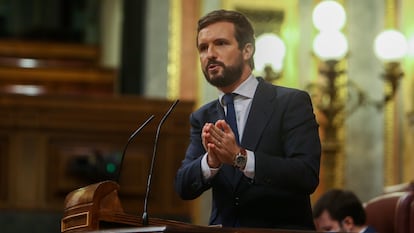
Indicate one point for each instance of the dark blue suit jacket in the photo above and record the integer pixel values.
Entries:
(282, 131)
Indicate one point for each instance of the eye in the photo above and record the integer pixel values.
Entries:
(202, 47)
(221, 42)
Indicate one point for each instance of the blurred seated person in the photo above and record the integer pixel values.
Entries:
(340, 211)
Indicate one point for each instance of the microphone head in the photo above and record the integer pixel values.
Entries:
(145, 219)
(127, 144)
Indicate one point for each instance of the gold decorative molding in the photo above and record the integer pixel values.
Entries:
(391, 156)
(174, 48)
(407, 86)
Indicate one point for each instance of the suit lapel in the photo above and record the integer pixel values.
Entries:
(216, 112)
(260, 112)
(258, 117)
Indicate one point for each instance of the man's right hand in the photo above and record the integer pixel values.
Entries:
(209, 145)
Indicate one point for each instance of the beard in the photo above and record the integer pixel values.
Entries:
(229, 75)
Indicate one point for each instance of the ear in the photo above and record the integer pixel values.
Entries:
(348, 223)
(348, 220)
(248, 51)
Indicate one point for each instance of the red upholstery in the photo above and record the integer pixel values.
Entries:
(390, 212)
(412, 217)
(402, 217)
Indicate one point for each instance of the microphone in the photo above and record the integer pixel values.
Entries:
(128, 142)
(145, 213)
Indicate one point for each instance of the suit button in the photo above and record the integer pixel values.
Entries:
(236, 201)
(194, 185)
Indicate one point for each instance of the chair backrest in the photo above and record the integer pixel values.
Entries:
(402, 187)
(390, 212)
(412, 217)
(403, 215)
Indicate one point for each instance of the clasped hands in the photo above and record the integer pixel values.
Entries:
(220, 143)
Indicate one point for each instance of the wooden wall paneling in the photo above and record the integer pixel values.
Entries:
(49, 50)
(53, 68)
(173, 157)
(26, 186)
(4, 142)
(46, 134)
(60, 80)
(85, 150)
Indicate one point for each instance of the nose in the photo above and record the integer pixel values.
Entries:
(211, 52)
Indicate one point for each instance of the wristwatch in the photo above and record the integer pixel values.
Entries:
(240, 159)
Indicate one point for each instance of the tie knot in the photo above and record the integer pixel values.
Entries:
(228, 98)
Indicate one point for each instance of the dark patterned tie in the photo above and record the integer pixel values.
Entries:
(231, 120)
(231, 114)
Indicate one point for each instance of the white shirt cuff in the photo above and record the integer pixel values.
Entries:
(207, 171)
(249, 169)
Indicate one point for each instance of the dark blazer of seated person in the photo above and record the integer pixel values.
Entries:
(340, 211)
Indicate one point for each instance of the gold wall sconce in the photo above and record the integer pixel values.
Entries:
(269, 56)
(330, 47)
(390, 47)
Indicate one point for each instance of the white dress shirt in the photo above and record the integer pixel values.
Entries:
(242, 104)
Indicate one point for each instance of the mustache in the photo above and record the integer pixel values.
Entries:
(214, 62)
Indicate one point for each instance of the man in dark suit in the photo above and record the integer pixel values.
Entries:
(264, 177)
(340, 211)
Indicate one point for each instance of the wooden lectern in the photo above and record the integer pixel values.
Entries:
(97, 208)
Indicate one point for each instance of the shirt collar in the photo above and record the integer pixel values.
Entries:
(245, 90)
(363, 229)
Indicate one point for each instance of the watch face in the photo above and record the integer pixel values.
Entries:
(240, 160)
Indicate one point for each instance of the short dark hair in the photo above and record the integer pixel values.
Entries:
(340, 204)
(244, 32)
